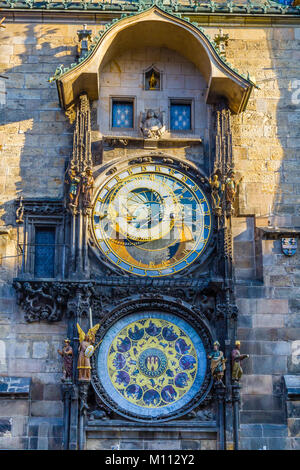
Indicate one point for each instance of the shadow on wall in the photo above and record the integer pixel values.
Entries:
(36, 137)
(267, 144)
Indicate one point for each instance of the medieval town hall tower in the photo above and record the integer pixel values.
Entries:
(149, 218)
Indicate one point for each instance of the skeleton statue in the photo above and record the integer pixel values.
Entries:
(152, 124)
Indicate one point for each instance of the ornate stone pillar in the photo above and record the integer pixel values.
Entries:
(224, 185)
(80, 182)
(236, 408)
(220, 395)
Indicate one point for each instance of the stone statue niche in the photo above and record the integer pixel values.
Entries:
(152, 124)
(152, 79)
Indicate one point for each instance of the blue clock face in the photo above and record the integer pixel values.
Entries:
(151, 364)
(151, 220)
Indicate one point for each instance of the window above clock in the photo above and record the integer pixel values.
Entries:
(180, 115)
(122, 113)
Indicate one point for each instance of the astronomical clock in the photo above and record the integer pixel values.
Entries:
(152, 220)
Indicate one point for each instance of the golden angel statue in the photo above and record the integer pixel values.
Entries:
(85, 350)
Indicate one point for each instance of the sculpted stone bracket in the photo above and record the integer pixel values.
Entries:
(41, 300)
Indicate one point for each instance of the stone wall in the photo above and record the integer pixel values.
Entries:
(36, 142)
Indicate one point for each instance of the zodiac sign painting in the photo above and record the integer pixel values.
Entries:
(151, 363)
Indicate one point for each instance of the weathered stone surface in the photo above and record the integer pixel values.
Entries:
(47, 408)
(294, 427)
(5, 427)
(162, 445)
(40, 350)
(269, 364)
(261, 402)
(14, 408)
(293, 409)
(272, 417)
(257, 384)
(191, 445)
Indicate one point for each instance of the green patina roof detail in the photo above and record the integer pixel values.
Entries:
(144, 6)
(253, 7)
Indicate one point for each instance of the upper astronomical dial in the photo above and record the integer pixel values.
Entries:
(151, 220)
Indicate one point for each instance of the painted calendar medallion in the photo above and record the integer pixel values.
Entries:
(151, 364)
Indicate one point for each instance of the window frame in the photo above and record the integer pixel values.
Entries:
(131, 99)
(49, 226)
(186, 101)
(42, 213)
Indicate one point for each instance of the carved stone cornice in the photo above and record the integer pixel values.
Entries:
(46, 300)
(34, 207)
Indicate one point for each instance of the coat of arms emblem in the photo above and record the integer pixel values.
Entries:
(289, 246)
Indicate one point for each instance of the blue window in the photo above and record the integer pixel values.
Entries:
(44, 251)
(180, 117)
(122, 114)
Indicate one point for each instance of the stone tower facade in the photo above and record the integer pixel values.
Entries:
(190, 114)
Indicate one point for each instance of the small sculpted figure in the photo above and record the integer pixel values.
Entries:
(87, 188)
(85, 351)
(217, 363)
(74, 188)
(67, 355)
(151, 126)
(231, 187)
(152, 82)
(217, 190)
(237, 358)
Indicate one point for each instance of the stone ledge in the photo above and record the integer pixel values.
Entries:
(179, 426)
(292, 387)
(117, 140)
(278, 231)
